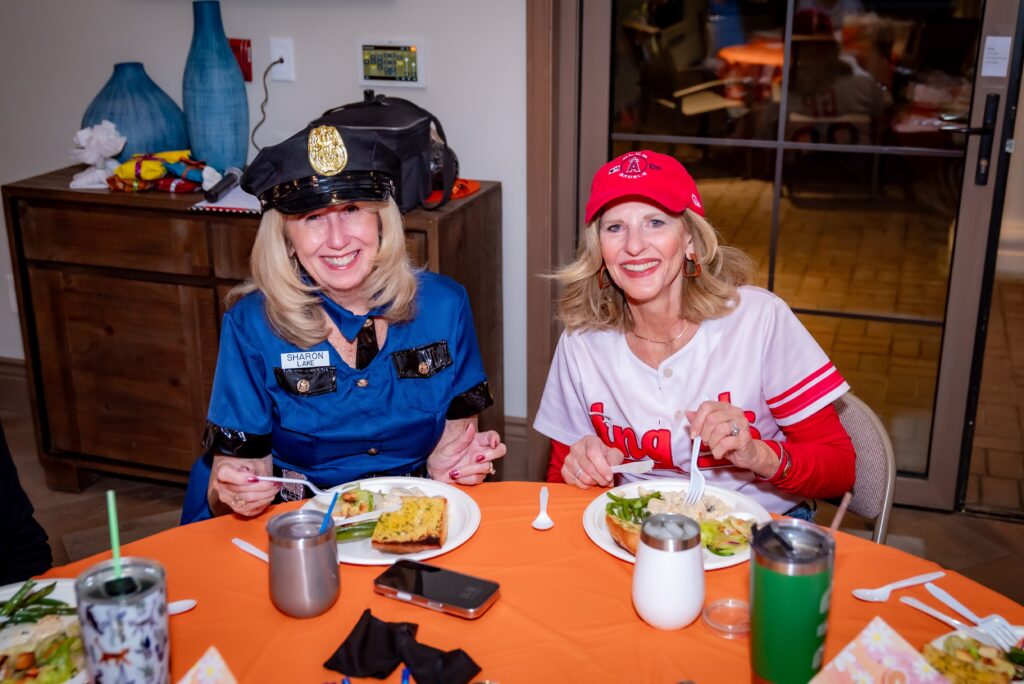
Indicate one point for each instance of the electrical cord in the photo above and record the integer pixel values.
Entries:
(263, 105)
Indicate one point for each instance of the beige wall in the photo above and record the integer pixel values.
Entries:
(58, 54)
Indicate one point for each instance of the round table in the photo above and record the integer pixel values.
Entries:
(564, 614)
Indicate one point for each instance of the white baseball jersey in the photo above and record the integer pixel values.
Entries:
(758, 357)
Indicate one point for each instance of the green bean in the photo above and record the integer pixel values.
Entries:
(15, 601)
(39, 594)
(357, 531)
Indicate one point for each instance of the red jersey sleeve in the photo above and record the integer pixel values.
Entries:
(824, 461)
(558, 453)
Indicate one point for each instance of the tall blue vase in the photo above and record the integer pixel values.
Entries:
(216, 110)
(143, 113)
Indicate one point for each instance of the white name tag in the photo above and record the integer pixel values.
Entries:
(310, 359)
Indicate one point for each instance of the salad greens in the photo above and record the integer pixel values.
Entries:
(722, 537)
(725, 537)
(50, 660)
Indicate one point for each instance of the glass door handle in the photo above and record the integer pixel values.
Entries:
(959, 117)
(987, 131)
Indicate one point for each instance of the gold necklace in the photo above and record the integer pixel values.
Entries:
(648, 339)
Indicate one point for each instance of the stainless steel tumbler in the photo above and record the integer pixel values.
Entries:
(303, 564)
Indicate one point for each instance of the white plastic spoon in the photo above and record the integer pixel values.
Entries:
(882, 593)
(182, 606)
(543, 521)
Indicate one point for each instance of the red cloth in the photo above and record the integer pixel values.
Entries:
(822, 453)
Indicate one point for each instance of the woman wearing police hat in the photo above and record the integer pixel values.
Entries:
(337, 360)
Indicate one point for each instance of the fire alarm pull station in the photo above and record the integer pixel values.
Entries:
(391, 62)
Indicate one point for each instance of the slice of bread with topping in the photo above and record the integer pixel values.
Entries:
(420, 524)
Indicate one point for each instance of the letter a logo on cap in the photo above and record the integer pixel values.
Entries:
(635, 166)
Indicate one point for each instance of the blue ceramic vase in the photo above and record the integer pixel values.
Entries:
(216, 109)
(143, 113)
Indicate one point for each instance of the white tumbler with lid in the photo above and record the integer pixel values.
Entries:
(668, 579)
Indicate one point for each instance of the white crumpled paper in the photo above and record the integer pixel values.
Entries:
(96, 146)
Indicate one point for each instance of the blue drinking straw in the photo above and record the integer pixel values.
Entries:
(115, 537)
(405, 675)
(330, 510)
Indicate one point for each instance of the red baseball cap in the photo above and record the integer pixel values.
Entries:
(647, 175)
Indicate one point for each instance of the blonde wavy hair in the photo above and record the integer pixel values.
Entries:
(293, 308)
(585, 305)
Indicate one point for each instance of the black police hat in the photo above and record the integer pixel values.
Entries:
(322, 165)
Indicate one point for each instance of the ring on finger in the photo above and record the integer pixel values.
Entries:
(576, 475)
(734, 429)
(239, 501)
(490, 469)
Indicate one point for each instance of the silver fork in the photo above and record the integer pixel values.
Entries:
(294, 480)
(996, 625)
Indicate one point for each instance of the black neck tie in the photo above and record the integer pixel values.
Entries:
(366, 344)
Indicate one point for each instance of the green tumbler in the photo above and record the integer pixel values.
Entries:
(790, 591)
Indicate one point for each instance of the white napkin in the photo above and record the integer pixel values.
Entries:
(96, 146)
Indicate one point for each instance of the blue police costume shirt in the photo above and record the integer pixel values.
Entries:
(377, 420)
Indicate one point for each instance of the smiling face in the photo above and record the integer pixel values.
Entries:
(337, 245)
(643, 248)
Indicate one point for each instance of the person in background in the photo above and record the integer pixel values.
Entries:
(664, 341)
(337, 360)
(25, 551)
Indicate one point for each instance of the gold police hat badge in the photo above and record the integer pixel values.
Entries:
(327, 153)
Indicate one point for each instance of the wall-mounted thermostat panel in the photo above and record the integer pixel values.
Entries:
(392, 62)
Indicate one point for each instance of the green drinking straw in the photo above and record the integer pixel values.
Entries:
(115, 537)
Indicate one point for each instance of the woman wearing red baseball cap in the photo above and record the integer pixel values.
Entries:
(665, 340)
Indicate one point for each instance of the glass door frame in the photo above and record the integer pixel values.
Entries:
(978, 217)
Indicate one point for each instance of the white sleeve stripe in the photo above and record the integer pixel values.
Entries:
(801, 386)
(813, 408)
(830, 382)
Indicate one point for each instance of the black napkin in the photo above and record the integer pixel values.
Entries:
(374, 648)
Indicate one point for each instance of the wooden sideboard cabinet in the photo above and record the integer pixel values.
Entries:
(120, 298)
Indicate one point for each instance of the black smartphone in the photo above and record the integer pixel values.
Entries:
(436, 588)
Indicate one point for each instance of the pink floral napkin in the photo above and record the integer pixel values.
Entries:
(209, 669)
(878, 654)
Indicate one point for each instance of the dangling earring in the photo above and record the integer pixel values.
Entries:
(604, 279)
(691, 267)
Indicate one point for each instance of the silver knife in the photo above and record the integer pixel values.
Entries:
(634, 467)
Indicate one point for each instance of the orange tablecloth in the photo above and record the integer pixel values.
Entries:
(759, 52)
(564, 614)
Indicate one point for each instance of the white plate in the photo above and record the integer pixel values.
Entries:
(938, 641)
(597, 530)
(65, 591)
(463, 520)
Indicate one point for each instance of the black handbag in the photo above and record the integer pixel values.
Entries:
(414, 134)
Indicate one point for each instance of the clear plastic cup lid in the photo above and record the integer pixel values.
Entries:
(729, 618)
